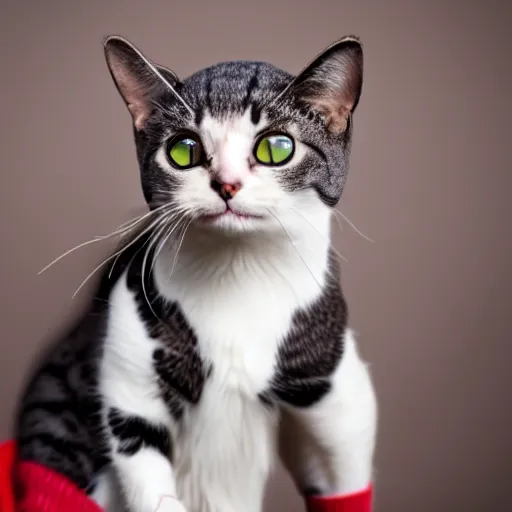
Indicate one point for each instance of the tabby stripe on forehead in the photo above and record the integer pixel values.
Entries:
(209, 93)
(253, 83)
(199, 115)
(255, 114)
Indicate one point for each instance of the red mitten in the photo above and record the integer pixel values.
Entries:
(357, 502)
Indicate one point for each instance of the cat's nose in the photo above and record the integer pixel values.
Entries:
(225, 190)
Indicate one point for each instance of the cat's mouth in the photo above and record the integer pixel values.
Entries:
(229, 213)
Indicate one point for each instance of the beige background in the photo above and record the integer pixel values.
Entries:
(430, 182)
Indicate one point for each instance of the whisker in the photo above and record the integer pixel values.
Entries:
(154, 239)
(151, 226)
(179, 247)
(295, 247)
(127, 226)
(138, 250)
(118, 231)
(165, 214)
(119, 254)
(134, 219)
(320, 234)
(351, 224)
(165, 238)
(338, 221)
(168, 232)
(83, 244)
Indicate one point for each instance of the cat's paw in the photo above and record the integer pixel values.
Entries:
(170, 504)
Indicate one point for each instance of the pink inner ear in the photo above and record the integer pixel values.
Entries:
(133, 93)
(140, 114)
(337, 88)
(334, 110)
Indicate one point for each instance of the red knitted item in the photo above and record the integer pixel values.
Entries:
(43, 490)
(39, 489)
(357, 502)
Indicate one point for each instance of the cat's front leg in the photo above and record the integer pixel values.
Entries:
(137, 420)
(138, 425)
(328, 445)
(140, 459)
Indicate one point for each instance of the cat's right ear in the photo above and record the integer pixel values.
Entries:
(331, 84)
(138, 80)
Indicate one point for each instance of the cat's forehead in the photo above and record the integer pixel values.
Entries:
(230, 88)
(218, 129)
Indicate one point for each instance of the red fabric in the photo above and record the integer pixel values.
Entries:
(7, 456)
(41, 489)
(357, 502)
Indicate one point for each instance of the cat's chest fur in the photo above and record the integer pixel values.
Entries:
(210, 348)
(221, 342)
(238, 328)
(240, 312)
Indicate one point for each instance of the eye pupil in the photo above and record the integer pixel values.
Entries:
(274, 150)
(185, 152)
(264, 152)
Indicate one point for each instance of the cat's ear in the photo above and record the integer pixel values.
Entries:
(138, 80)
(332, 82)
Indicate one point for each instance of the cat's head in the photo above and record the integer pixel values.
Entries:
(238, 145)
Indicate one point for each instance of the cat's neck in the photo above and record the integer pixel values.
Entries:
(296, 258)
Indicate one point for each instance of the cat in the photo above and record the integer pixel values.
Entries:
(218, 337)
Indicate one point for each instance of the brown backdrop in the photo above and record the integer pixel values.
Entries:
(430, 183)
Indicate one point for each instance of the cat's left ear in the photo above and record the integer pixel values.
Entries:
(139, 81)
(332, 82)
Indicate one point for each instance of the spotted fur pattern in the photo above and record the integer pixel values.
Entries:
(222, 323)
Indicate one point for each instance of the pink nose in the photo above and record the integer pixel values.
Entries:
(225, 190)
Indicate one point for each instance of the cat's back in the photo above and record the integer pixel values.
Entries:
(58, 420)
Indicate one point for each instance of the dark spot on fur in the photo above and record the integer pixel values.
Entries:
(313, 348)
(134, 433)
(180, 369)
(255, 114)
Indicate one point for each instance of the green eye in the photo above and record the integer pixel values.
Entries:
(274, 150)
(185, 151)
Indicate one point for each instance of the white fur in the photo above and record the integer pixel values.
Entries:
(238, 283)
